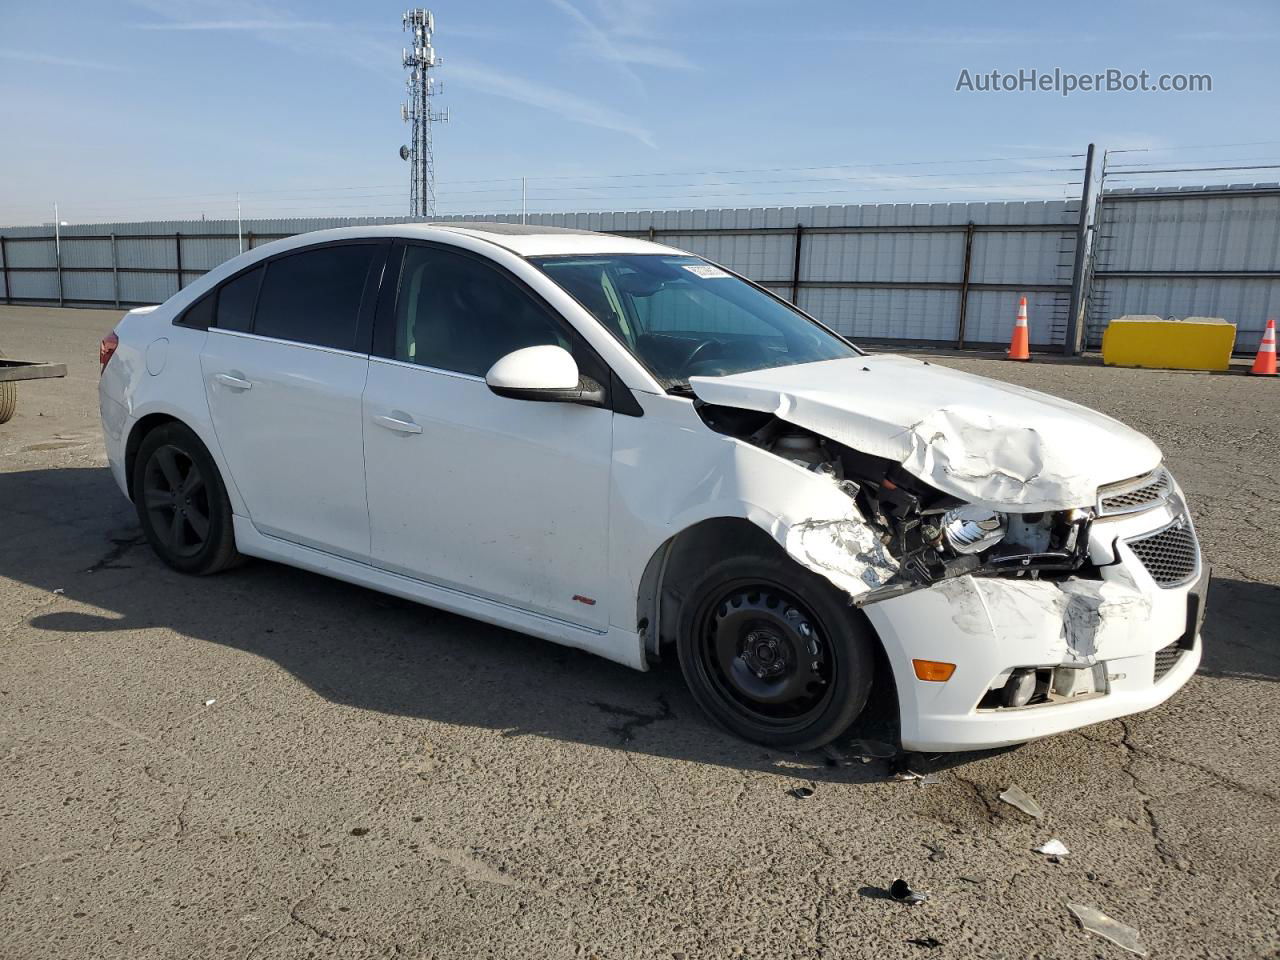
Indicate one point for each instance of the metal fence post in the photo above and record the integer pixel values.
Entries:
(57, 264)
(4, 261)
(115, 271)
(1075, 329)
(964, 285)
(795, 267)
(177, 249)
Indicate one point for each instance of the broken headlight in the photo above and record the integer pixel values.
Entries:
(972, 529)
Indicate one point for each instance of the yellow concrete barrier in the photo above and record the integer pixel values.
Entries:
(1197, 343)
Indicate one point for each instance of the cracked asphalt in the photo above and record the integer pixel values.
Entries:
(267, 763)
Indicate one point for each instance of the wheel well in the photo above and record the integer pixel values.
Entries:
(675, 564)
(136, 435)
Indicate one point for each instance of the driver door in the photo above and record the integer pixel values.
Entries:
(498, 498)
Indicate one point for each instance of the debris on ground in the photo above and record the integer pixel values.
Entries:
(901, 891)
(936, 853)
(801, 793)
(1015, 796)
(1095, 921)
(1053, 849)
(210, 703)
(929, 943)
(873, 750)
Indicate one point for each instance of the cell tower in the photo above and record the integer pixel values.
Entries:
(416, 110)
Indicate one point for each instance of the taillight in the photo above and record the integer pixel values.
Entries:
(107, 347)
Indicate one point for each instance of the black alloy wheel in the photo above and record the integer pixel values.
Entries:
(176, 499)
(181, 501)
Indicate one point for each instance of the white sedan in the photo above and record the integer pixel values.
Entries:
(619, 446)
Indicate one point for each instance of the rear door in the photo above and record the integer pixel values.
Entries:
(500, 498)
(284, 365)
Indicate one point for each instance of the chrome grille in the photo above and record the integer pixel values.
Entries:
(1170, 554)
(1140, 493)
(1167, 658)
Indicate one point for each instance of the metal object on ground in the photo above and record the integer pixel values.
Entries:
(901, 891)
(11, 371)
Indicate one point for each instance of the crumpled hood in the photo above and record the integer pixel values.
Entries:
(978, 439)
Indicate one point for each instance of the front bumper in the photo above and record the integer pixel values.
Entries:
(989, 626)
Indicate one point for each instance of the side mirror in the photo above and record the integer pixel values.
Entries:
(546, 373)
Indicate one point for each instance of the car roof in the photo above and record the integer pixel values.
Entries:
(537, 240)
(524, 240)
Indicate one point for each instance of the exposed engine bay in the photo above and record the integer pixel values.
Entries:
(928, 536)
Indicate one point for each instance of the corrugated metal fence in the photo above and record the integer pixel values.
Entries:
(928, 273)
(1202, 251)
(947, 272)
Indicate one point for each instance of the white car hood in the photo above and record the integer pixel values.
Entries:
(981, 440)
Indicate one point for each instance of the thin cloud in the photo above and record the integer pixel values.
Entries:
(640, 54)
(25, 56)
(964, 38)
(608, 45)
(560, 102)
(236, 25)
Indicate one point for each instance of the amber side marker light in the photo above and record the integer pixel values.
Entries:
(934, 670)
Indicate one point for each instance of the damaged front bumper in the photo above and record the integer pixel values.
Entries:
(1134, 634)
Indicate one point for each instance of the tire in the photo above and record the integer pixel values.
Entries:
(8, 399)
(182, 503)
(774, 653)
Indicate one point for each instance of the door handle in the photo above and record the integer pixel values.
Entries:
(235, 383)
(399, 426)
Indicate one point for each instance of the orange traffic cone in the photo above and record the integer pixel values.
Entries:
(1020, 345)
(1265, 365)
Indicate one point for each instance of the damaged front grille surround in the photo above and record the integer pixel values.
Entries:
(1171, 554)
(1135, 495)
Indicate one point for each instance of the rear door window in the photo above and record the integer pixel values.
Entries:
(314, 296)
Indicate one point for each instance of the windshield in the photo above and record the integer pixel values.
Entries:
(683, 317)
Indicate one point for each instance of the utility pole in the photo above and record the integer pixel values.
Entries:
(416, 110)
(239, 225)
(1073, 340)
(524, 199)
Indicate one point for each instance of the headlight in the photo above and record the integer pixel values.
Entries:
(972, 529)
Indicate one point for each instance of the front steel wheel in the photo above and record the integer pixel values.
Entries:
(774, 653)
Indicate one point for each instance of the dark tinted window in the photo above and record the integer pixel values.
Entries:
(235, 301)
(314, 296)
(200, 314)
(457, 313)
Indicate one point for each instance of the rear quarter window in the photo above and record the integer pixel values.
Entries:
(235, 301)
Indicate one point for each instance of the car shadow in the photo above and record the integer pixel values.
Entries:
(1240, 629)
(71, 531)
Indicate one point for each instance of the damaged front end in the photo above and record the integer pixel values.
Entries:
(901, 534)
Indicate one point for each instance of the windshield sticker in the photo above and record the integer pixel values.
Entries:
(705, 270)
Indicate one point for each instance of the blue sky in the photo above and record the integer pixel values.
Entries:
(169, 108)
